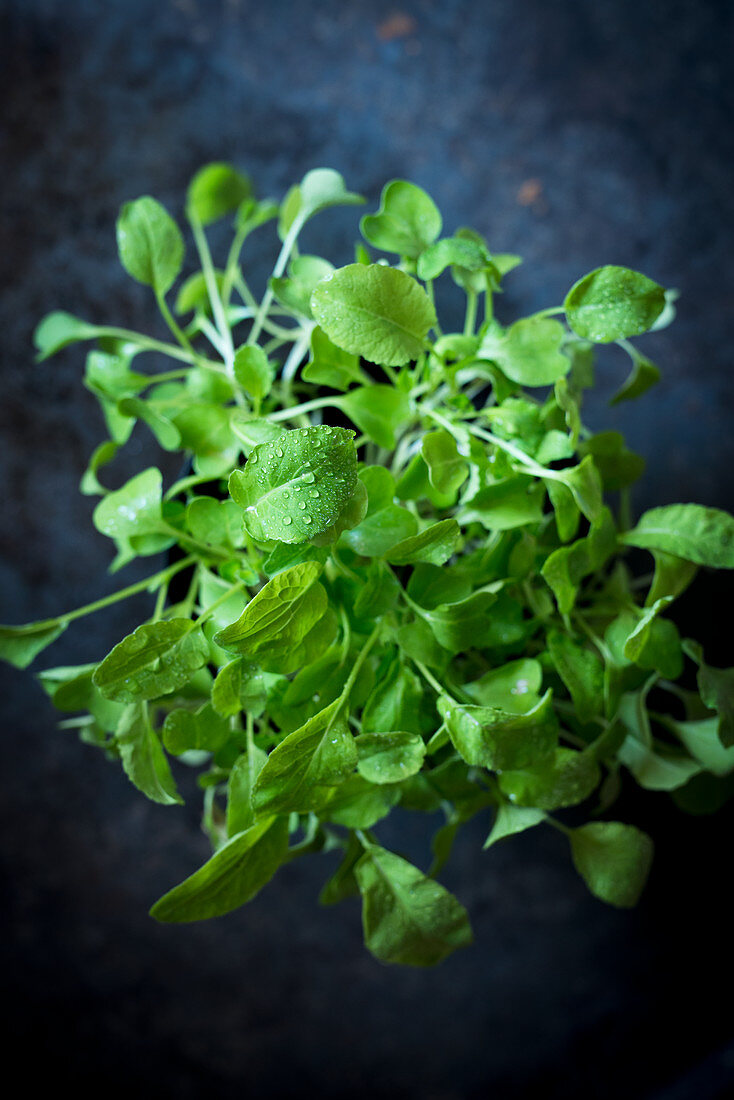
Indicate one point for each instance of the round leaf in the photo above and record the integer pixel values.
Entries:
(150, 244)
(374, 311)
(295, 486)
(216, 190)
(389, 757)
(612, 303)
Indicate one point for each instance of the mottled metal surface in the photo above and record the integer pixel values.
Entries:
(574, 133)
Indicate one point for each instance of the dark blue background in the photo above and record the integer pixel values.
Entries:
(573, 133)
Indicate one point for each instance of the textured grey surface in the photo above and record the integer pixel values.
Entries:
(621, 114)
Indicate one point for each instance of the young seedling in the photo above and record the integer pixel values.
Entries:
(400, 577)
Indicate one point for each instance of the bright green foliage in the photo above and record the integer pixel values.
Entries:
(296, 486)
(216, 190)
(407, 917)
(612, 303)
(701, 535)
(407, 222)
(613, 859)
(431, 609)
(150, 244)
(377, 312)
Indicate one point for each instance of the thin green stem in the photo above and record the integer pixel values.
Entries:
(356, 668)
(218, 309)
(307, 406)
(173, 324)
(432, 299)
(280, 264)
(140, 586)
(470, 317)
(431, 679)
(149, 343)
(189, 540)
(230, 270)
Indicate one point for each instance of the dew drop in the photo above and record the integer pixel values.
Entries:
(307, 519)
(287, 521)
(302, 504)
(315, 493)
(279, 452)
(253, 458)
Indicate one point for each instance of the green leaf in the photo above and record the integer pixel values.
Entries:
(655, 643)
(217, 522)
(320, 754)
(154, 660)
(253, 371)
(330, 365)
(234, 875)
(101, 456)
(58, 330)
(278, 618)
(206, 430)
(690, 531)
(418, 642)
(203, 730)
(389, 757)
(492, 738)
(150, 244)
(385, 523)
(703, 743)
(613, 859)
(407, 918)
(342, 883)
(462, 625)
(407, 221)
(672, 576)
(656, 771)
(566, 509)
(143, 759)
(565, 780)
(613, 303)
(717, 692)
(435, 545)
(395, 701)
(245, 770)
(529, 353)
(585, 485)
(447, 469)
(643, 376)
(193, 294)
(581, 671)
(294, 292)
(357, 804)
(515, 501)
(135, 509)
(374, 311)
(452, 252)
(512, 687)
(239, 686)
(618, 466)
(565, 568)
(20, 645)
(216, 190)
(378, 411)
(379, 594)
(162, 428)
(512, 819)
(318, 190)
(296, 486)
